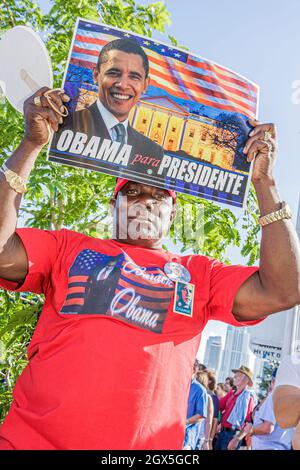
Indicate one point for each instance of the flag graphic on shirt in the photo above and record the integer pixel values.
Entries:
(178, 73)
(115, 286)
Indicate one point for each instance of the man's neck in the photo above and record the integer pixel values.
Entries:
(110, 115)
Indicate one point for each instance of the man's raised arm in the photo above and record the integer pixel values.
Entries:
(38, 122)
(276, 286)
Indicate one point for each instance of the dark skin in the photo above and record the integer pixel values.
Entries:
(275, 287)
(139, 200)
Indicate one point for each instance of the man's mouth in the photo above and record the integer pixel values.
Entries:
(121, 96)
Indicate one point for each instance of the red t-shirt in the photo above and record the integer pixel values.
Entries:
(110, 363)
(227, 404)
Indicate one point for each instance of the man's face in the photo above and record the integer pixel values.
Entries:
(143, 214)
(186, 295)
(112, 263)
(121, 80)
(240, 380)
(175, 269)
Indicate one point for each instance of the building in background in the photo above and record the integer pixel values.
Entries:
(213, 353)
(236, 352)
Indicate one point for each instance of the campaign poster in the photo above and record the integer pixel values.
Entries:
(186, 131)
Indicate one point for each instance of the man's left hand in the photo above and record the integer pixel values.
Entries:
(261, 146)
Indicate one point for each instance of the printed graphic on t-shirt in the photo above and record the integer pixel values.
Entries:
(184, 298)
(116, 286)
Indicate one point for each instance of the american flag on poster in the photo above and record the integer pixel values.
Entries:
(178, 73)
(141, 295)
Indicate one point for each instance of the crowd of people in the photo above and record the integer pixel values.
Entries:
(230, 416)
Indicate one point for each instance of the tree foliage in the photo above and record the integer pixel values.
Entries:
(60, 196)
(266, 378)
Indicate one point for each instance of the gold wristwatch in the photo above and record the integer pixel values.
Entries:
(14, 180)
(283, 213)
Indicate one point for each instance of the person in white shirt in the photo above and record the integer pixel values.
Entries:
(286, 396)
(265, 431)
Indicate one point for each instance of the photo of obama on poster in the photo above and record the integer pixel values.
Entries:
(155, 114)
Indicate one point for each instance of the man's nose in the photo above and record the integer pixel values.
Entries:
(148, 200)
(122, 82)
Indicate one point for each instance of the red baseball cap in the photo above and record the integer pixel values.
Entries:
(122, 181)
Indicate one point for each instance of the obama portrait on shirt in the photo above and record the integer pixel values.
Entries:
(101, 286)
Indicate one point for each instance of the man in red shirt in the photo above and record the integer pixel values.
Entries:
(236, 408)
(69, 395)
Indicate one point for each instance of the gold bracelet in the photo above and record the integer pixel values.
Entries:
(283, 213)
(14, 180)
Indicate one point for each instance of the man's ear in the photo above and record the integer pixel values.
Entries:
(147, 81)
(95, 74)
(173, 214)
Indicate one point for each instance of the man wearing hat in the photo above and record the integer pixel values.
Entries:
(287, 395)
(141, 335)
(236, 408)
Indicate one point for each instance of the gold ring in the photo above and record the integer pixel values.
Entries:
(269, 144)
(267, 136)
(37, 101)
(65, 111)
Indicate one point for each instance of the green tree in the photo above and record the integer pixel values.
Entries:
(60, 196)
(265, 379)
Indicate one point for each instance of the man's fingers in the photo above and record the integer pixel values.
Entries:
(49, 115)
(64, 96)
(269, 127)
(257, 146)
(259, 135)
(30, 100)
(254, 122)
(58, 97)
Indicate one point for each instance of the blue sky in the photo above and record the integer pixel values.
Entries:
(260, 40)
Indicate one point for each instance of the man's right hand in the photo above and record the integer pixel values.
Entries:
(233, 444)
(42, 121)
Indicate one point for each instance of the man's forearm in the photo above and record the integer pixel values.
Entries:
(214, 428)
(259, 430)
(194, 419)
(21, 162)
(279, 252)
